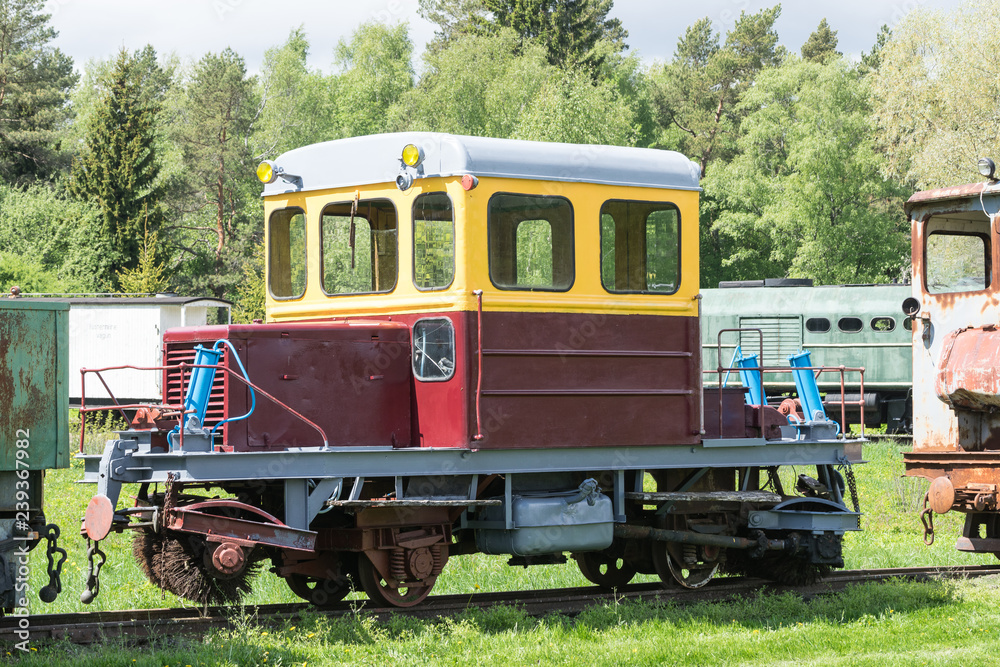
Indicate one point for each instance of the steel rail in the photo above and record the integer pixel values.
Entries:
(148, 624)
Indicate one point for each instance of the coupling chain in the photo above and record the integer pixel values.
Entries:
(927, 518)
(54, 569)
(852, 483)
(93, 572)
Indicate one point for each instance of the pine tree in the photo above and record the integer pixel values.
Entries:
(821, 45)
(149, 277)
(35, 81)
(118, 167)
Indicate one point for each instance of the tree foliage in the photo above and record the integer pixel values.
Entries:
(118, 168)
(488, 85)
(35, 80)
(696, 95)
(805, 197)
(376, 72)
(938, 94)
(570, 30)
(296, 103)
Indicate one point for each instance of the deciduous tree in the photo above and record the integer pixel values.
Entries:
(805, 196)
(938, 94)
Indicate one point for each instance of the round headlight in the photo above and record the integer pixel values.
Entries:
(267, 171)
(412, 155)
(987, 168)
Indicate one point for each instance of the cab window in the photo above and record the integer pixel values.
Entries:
(359, 247)
(957, 262)
(433, 241)
(433, 349)
(286, 276)
(640, 247)
(530, 242)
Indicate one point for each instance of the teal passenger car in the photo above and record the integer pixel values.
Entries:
(841, 325)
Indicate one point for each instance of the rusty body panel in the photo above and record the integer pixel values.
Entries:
(945, 311)
(956, 356)
(34, 385)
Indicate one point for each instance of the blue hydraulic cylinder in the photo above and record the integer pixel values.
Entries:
(805, 384)
(201, 381)
(751, 379)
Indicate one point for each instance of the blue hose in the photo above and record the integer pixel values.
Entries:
(253, 396)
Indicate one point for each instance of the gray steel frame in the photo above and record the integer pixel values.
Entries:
(129, 461)
(132, 465)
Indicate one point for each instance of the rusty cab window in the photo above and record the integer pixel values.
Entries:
(957, 256)
(433, 241)
(530, 242)
(640, 247)
(286, 253)
(359, 247)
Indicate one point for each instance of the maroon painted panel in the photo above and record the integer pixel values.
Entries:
(585, 380)
(351, 379)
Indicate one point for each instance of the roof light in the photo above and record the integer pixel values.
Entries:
(412, 155)
(267, 172)
(987, 168)
(469, 182)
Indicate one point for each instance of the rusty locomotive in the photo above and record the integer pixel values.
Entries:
(471, 345)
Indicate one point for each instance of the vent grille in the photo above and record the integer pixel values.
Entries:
(178, 354)
(782, 337)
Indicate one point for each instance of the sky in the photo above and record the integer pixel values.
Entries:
(97, 29)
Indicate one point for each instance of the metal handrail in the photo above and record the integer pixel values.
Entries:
(818, 370)
(167, 406)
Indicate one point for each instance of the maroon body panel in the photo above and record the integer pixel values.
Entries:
(586, 380)
(353, 380)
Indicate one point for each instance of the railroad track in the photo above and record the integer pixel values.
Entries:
(143, 624)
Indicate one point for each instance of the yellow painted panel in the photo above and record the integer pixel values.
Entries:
(472, 271)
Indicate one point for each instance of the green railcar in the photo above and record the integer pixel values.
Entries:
(856, 326)
(34, 430)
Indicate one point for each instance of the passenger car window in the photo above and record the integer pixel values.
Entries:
(957, 262)
(850, 324)
(640, 247)
(530, 242)
(433, 349)
(286, 275)
(433, 241)
(817, 325)
(359, 247)
(883, 324)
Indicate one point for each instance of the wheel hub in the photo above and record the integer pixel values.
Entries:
(228, 558)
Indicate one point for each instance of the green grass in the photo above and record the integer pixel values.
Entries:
(898, 623)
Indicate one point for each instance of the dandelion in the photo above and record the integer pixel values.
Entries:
(476, 586)
(310, 635)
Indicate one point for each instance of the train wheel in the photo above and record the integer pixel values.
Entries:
(605, 570)
(380, 592)
(317, 591)
(672, 569)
